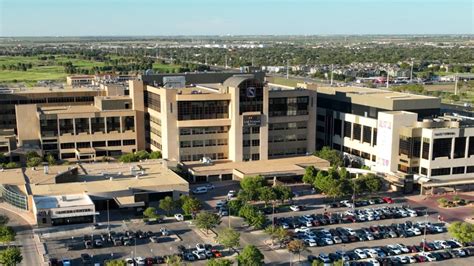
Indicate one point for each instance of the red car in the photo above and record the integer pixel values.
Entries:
(216, 253)
(420, 258)
(149, 261)
(427, 246)
(387, 200)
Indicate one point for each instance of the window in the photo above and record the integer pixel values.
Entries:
(210, 142)
(321, 118)
(255, 142)
(255, 156)
(470, 169)
(404, 146)
(459, 147)
(128, 142)
(97, 125)
(98, 144)
(222, 142)
(375, 138)
(440, 171)
(113, 124)
(128, 123)
(320, 129)
(68, 155)
(424, 171)
(49, 127)
(337, 127)
(471, 146)
(290, 106)
(195, 110)
(198, 143)
(69, 145)
(82, 125)
(366, 134)
(416, 147)
(357, 131)
(114, 143)
(347, 129)
(402, 168)
(458, 170)
(442, 148)
(152, 101)
(246, 143)
(185, 144)
(66, 126)
(83, 145)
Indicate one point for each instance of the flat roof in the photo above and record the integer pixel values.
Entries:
(281, 166)
(51, 202)
(66, 89)
(97, 178)
(71, 109)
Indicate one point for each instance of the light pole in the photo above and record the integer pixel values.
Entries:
(228, 214)
(108, 217)
(424, 234)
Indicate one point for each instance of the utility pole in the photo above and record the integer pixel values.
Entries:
(424, 234)
(225, 61)
(108, 217)
(205, 60)
(388, 78)
(456, 84)
(332, 73)
(411, 71)
(287, 69)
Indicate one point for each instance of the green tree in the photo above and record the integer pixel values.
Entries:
(11, 165)
(372, 182)
(251, 185)
(6, 234)
(333, 156)
(191, 205)
(32, 154)
(462, 231)
(150, 212)
(50, 159)
(127, 158)
(219, 262)
(155, 155)
(229, 238)
(258, 221)
(234, 206)
(250, 256)
(296, 247)
(34, 161)
(142, 155)
(443, 202)
(3, 220)
(167, 204)
(309, 175)
(207, 220)
(283, 193)
(10, 256)
(277, 233)
(173, 260)
(116, 262)
(266, 194)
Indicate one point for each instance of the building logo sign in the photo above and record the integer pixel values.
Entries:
(251, 92)
(252, 121)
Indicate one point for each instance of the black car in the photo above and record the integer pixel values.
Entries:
(312, 258)
(54, 262)
(181, 249)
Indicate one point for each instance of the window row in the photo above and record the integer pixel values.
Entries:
(202, 130)
(198, 157)
(203, 143)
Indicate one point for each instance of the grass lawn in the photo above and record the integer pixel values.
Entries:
(162, 68)
(283, 81)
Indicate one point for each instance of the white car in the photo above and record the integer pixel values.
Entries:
(285, 225)
(360, 253)
(403, 259)
(337, 240)
(415, 231)
(310, 242)
(303, 229)
(231, 194)
(164, 231)
(328, 241)
(346, 203)
(403, 248)
(411, 259)
(394, 249)
(412, 213)
(179, 217)
(139, 261)
(443, 244)
(221, 203)
(200, 255)
(428, 256)
(154, 239)
(200, 247)
(200, 190)
(129, 262)
(438, 229)
(370, 237)
(295, 208)
(371, 252)
(210, 186)
(350, 231)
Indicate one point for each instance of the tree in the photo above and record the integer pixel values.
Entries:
(462, 231)
(127, 158)
(296, 247)
(10, 256)
(142, 155)
(167, 204)
(234, 206)
(34, 161)
(250, 256)
(155, 155)
(6, 234)
(116, 263)
(333, 156)
(229, 238)
(32, 154)
(372, 182)
(3, 220)
(219, 262)
(253, 216)
(150, 212)
(50, 159)
(309, 175)
(442, 201)
(190, 205)
(251, 185)
(173, 260)
(266, 194)
(11, 165)
(277, 233)
(283, 193)
(207, 220)
(258, 221)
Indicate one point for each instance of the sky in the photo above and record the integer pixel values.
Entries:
(233, 17)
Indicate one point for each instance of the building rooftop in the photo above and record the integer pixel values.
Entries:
(283, 166)
(66, 89)
(96, 178)
(51, 202)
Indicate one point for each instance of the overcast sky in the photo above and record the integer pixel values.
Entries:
(236, 17)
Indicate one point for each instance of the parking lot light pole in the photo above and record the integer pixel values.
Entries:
(424, 234)
(228, 215)
(108, 217)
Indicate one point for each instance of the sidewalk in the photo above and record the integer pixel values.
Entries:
(25, 215)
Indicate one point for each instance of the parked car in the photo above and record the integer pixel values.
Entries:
(179, 217)
(387, 200)
(199, 190)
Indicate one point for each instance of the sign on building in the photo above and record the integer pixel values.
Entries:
(174, 82)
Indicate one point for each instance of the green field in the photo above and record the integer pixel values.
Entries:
(52, 70)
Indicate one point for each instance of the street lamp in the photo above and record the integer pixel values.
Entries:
(424, 234)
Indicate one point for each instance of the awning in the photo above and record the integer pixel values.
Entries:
(128, 202)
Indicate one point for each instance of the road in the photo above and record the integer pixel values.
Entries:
(24, 239)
